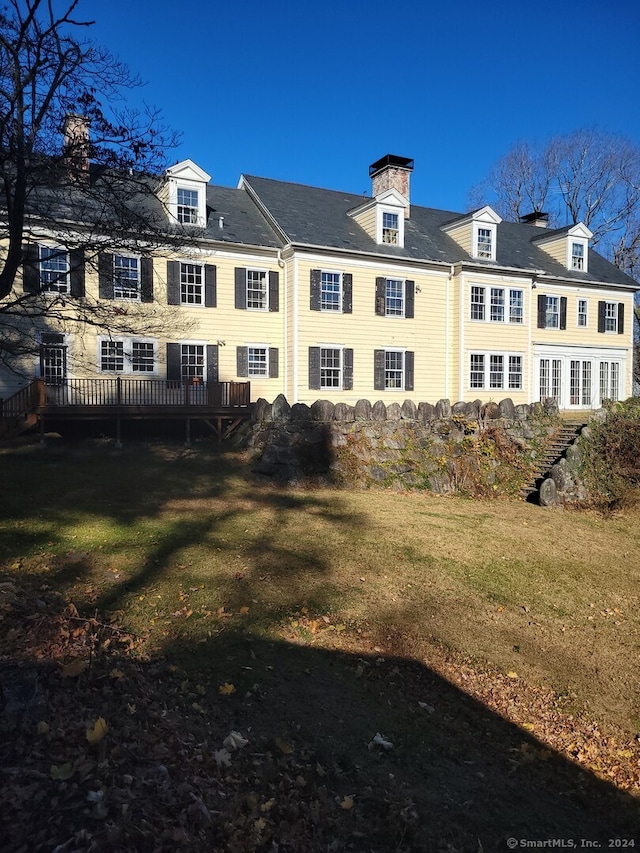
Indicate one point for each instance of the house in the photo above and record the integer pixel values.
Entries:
(316, 293)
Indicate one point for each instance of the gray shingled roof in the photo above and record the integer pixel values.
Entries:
(318, 217)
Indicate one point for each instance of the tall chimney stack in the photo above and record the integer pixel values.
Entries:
(76, 146)
(392, 172)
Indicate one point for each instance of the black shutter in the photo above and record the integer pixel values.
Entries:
(146, 279)
(314, 368)
(408, 370)
(563, 312)
(409, 298)
(602, 313)
(241, 287)
(31, 268)
(76, 272)
(378, 370)
(173, 282)
(315, 299)
(174, 362)
(242, 361)
(210, 285)
(274, 291)
(273, 362)
(347, 293)
(621, 318)
(105, 275)
(381, 294)
(347, 369)
(542, 311)
(212, 363)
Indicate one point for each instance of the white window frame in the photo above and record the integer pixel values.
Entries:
(63, 283)
(484, 363)
(251, 367)
(138, 281)
(188, 214)
(338, 304)
(127, 344)
(63, 347)
(584, 304)
(551, 312)
(187, 377)
(403, 298)
(611, 317)
(390, 227)
(381, 210)
(183, 183)
(572, 257)
(497, 305)
(337, 371)
(265, 278)
(185, 284)
(487, 305)
(516, 310)
(389, 351)
(478, 305)
(484, 234)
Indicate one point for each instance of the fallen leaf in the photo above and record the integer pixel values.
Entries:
(226, 689)
(244, 610)
(74, 668)
(283, 746)
(98, 731)
(512, 674)
(43, 728)
(266, 807)
(234, 740)
(347, 803)
(61, 772)
(116, 673)
(222, 757)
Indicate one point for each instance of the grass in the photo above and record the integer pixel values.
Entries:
(206, 566)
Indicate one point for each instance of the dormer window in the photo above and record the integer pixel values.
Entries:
(390, 228)
(577, 256)
(484, 243)
(476, 233)
(188, 208)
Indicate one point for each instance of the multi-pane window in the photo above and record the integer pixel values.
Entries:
(394, 297)
(582, 312)
(476, 377)
(577, 256)
(393, 369)
(515, 372)
(550, 378)
(54, 270)
(485, 243)
(552, 312)
(609, 380)
(516, 306)
(53, 357)
(497, 305)
(611, 316)
(187, 206)
(192, 361)
(390, 228)
(330, 367)
(496, 371)
(257, 364)
(126, 277)
(477, 303)
(257, 290)
(191, 284)
(142, 357)
(330, 291)
(112, 356)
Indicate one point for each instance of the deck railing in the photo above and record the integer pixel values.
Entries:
(128, 392)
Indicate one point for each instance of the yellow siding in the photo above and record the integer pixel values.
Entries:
(557, 249)
(463, 235)
(367, 221)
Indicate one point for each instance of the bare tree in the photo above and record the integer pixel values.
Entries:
(586, 176)
(75, 162)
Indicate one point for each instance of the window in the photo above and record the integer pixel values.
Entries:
(394, 298)
(516, 306)
(53, 358)
(582, 313)
(390, 228)
(497, 305)
(187, 210)
(330, 297)
(192, 361)
(54, 270)
(142, 357)
(550, 378)
(495, 370)
(477, 303)
(257, 293)
(393, 369)
(257, 364)
(191, 284)
(609, 380)
(112, 356)
(330, 367)
(484, 244)
(611, 316)
(552, 312)
(126, 277)
(577, 256)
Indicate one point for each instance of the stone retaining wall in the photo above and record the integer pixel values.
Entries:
(476, 447)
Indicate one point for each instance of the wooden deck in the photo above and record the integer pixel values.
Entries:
(221, 405)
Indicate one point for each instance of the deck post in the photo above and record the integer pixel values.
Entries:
(118, 435)
(119, 390)
(187, 442)
(41, 425)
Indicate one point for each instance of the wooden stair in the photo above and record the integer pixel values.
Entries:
(557, 446)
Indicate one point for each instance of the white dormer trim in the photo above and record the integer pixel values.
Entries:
(479, 229)
(390, 202)
(188, 176)
(561, 246)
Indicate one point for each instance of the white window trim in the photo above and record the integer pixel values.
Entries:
(340, 275)
(486, 386)
(506, 316)
(493, 229)
(127, 342)
(188, 176)
(401, 316)
(266, 348)
(52, 247)
(341, 348)
(192, 263)
(246, 287)
(131, 256)
(403, 351)
(585, 312)
(397, 211)
(615, 318)
(580, 241)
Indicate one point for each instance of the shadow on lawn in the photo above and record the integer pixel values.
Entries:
(458, 778)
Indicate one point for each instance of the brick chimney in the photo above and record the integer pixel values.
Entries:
(76, 146)
(392, 172)
(537, 218)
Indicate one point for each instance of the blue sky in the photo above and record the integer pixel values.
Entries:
(315, 92)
